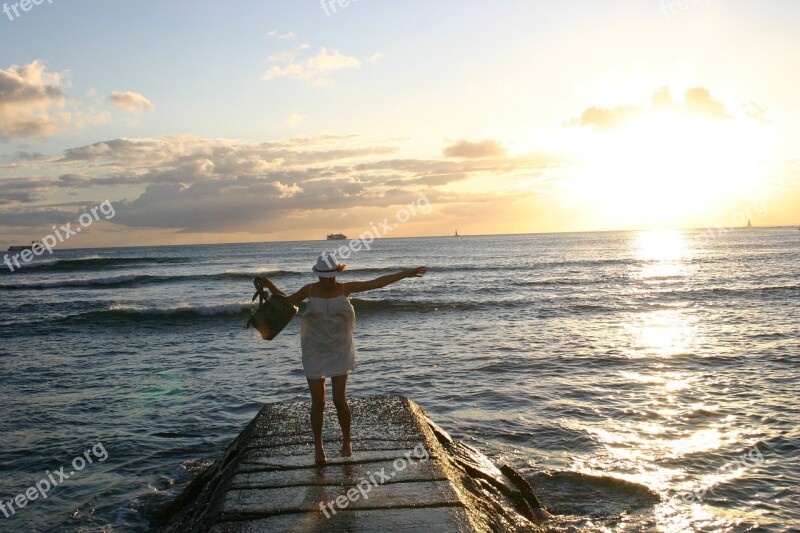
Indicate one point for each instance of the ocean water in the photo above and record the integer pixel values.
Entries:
(640, 381)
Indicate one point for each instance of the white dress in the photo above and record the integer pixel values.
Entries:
(326, 337)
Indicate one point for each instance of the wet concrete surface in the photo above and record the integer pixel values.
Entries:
(400, 477)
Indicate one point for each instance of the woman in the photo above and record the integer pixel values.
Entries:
(326, 339)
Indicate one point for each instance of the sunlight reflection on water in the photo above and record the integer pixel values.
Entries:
(654, 446)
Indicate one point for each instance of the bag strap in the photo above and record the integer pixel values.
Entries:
(261, 299)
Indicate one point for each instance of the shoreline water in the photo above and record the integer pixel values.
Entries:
(585, 361)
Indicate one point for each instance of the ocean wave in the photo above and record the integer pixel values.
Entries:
(714, 292)
(140, 279)
(385, 305)
(96, 262)
(162, 315)
(180, 309)
(122, 281)
(745, 290)
(89, 282)
(605, 482)
(566, 282)
(250, 274)
(37, 263)
(590, 307)
(586, 494)
(242, 309)
(360, 305)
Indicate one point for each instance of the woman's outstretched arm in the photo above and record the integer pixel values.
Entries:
(377, 283)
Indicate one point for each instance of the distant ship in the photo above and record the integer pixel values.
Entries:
(337, 237)
(749, 224)
(456, 234)
(36, 244)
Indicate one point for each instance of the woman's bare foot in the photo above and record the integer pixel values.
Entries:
(319, 456)
(541, 515)
(347, 448)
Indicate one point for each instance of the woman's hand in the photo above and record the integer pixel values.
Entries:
(417, 272)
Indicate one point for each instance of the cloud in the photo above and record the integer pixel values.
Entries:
(194, 185)
(33, 103)
(294, 119)
(475, 150)
(22, 190)
(29, 99)
(287, 35)
(72, 179)
(757, 112)
(131, 101)
(228, 157)
(288, 55)
(34, 189)
(697, 101)
(25, 155)
(317, 68)
(604, 118)
(374, 58)
(329, 61)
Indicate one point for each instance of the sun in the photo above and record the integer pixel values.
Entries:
(668, 169)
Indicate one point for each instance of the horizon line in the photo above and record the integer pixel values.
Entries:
(715, 228)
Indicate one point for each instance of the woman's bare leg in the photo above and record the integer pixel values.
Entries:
(317, 388)
(343, 412)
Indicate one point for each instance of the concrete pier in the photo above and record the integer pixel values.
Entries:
(405, 474)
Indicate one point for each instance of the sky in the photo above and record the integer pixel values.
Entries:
(204, 122)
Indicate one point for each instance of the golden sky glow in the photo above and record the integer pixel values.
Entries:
(626, 117)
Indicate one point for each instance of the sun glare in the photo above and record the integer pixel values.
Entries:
(661, 245)
(662, 332)
(667, 170)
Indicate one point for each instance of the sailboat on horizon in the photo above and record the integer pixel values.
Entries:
(456, 234)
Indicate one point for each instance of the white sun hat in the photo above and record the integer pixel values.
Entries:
(327, 266)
